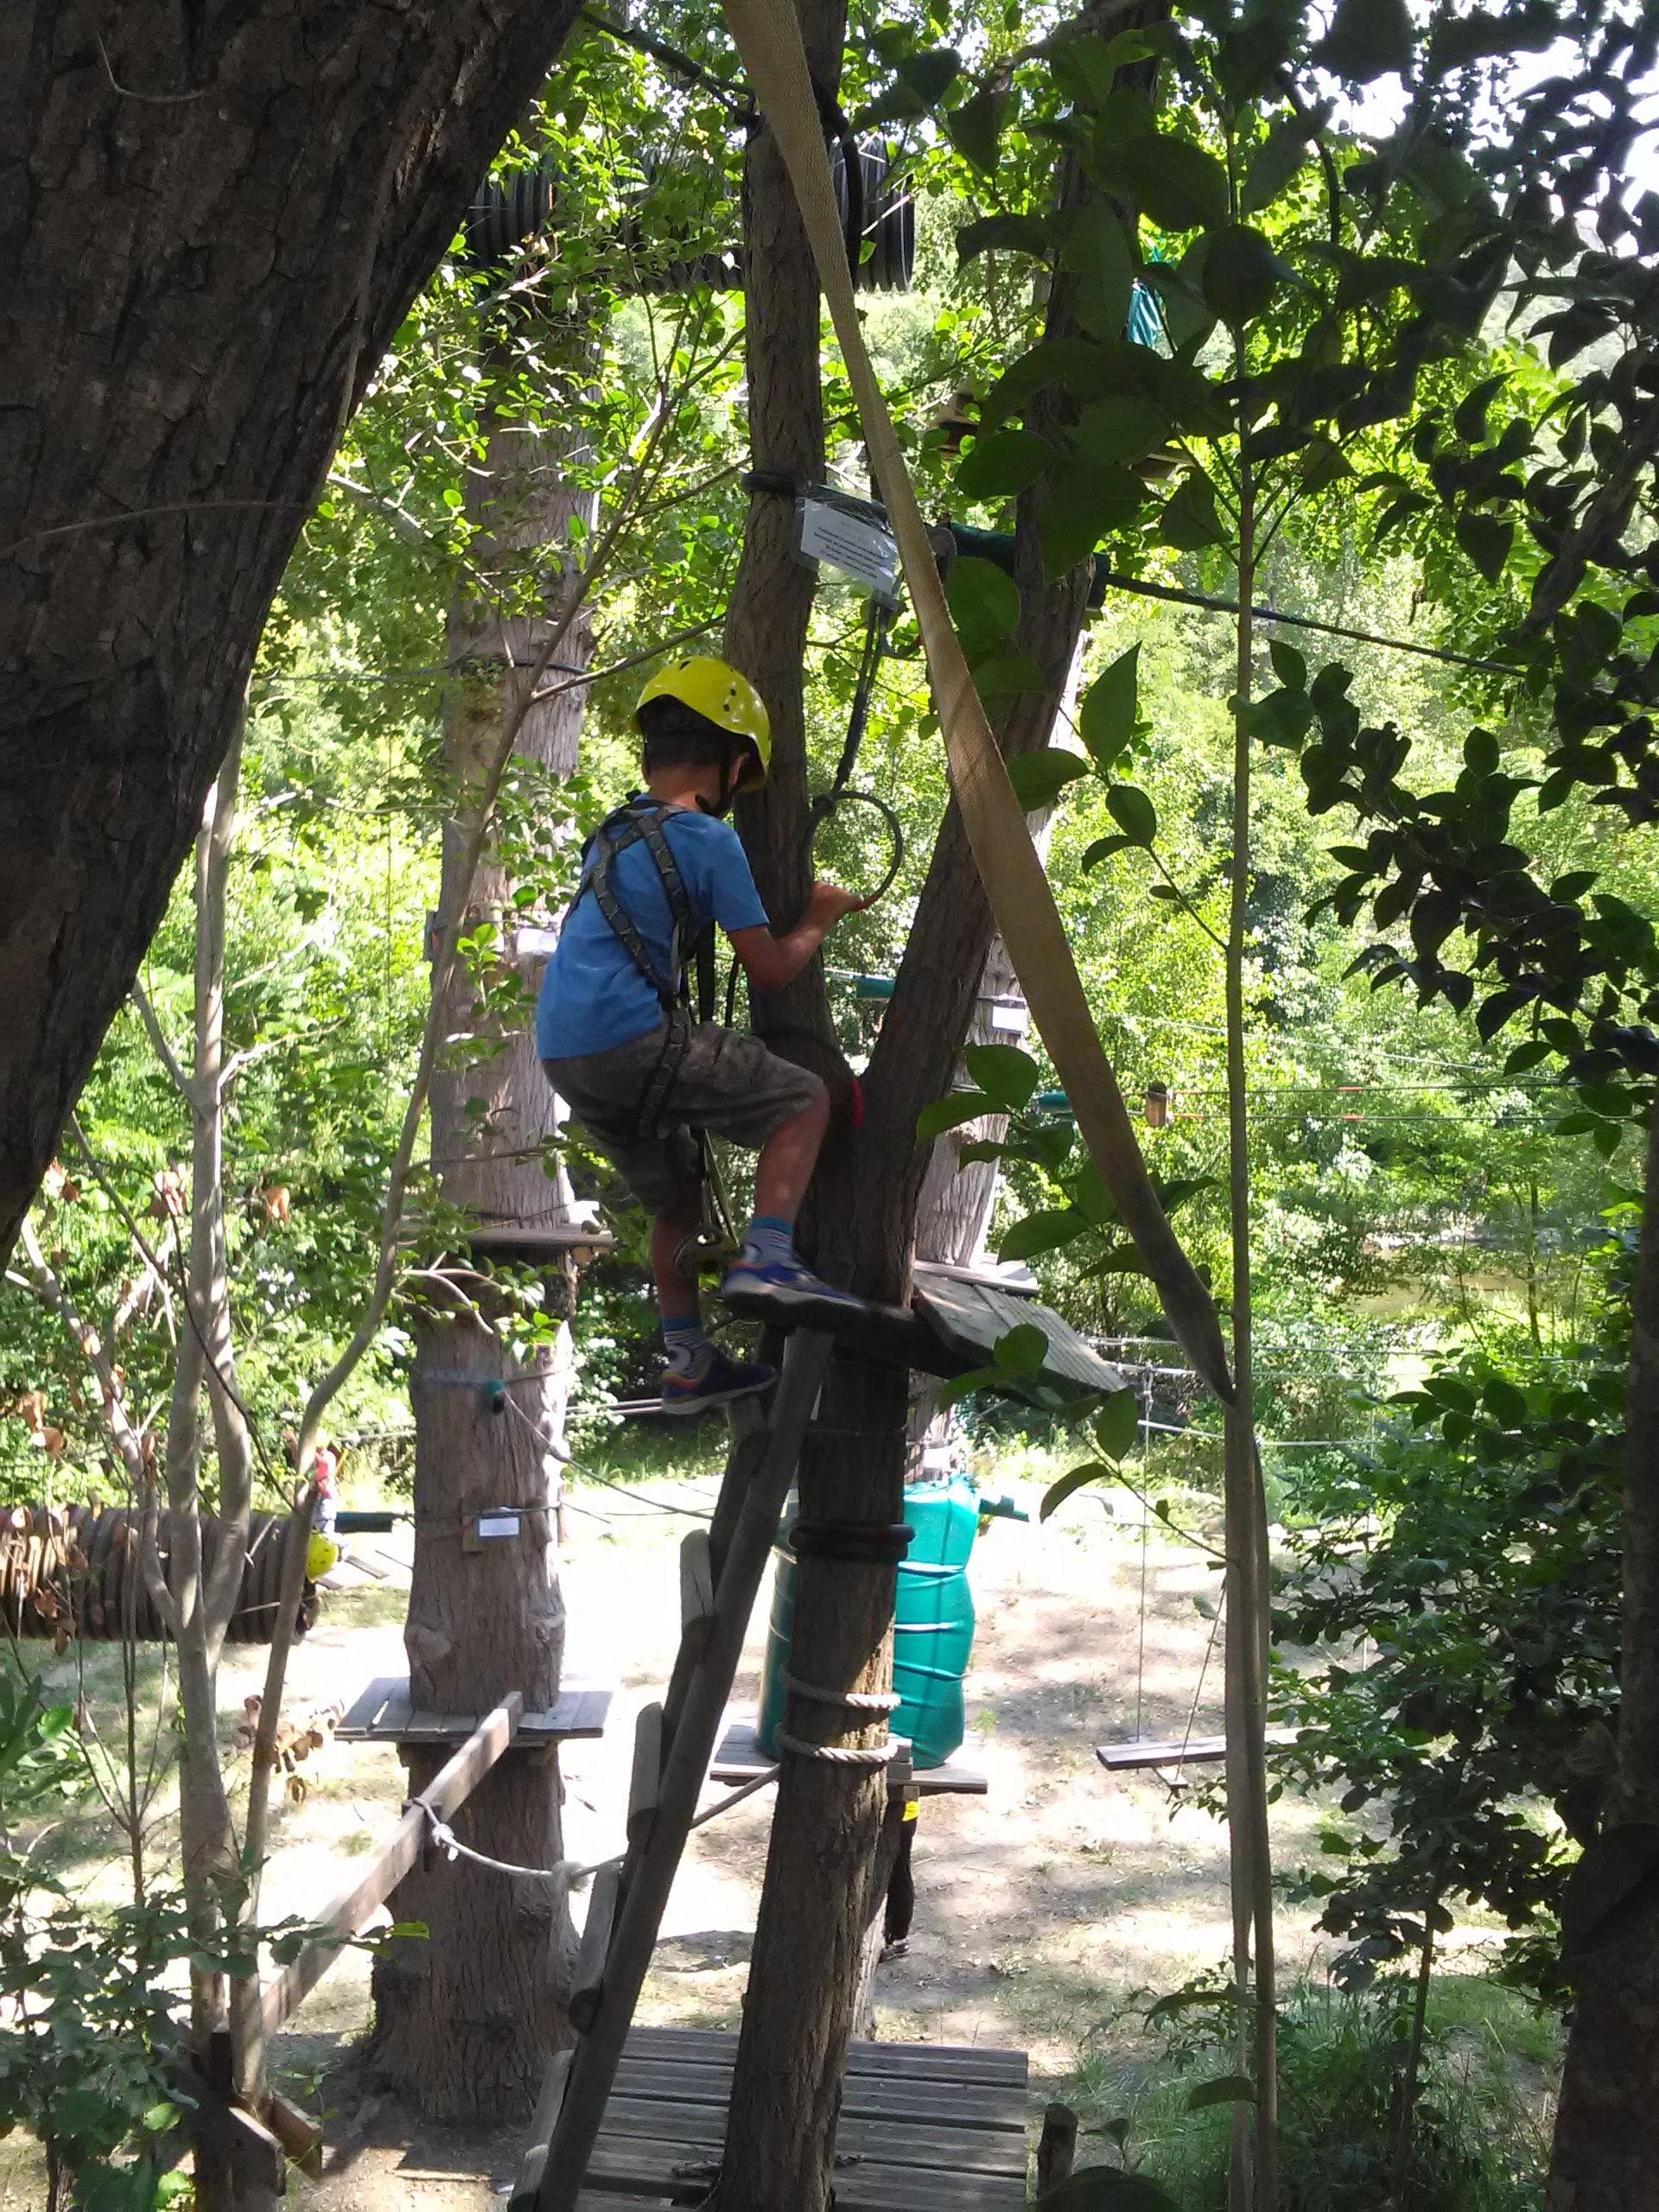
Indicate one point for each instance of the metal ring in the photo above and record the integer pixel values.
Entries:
(825, 805)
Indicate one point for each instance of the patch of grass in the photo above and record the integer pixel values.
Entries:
(377, 1604)
(1479, 2143)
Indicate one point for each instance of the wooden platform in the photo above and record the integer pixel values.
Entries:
(1192, 1751)
(951, 1328)
(925, 2127)
(740, 1758)
(382, 1714)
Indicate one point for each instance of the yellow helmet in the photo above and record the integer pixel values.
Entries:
(723, 696)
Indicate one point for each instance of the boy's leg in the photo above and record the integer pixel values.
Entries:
(676, 1297)
(787, 1159)
(664, 1174)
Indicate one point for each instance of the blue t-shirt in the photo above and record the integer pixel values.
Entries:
(593, 996)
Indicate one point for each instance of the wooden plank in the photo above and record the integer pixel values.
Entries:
(624, 2164)
(382, 1715)
(969, 1316)
(528, 2179)
(351, 1911)
(696, 1589)
(1191, 1751)
(960, 2061)
(893, 2139)
(365, 1709)
(996, 2107)
(588, 1977)
(740, 1758)
(644, 1782)
(581, 1712)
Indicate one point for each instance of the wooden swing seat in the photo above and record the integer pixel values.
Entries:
(1194, 1751)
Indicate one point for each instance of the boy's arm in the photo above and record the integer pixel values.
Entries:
(771, 962)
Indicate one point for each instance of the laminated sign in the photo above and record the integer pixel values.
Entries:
(850, 535)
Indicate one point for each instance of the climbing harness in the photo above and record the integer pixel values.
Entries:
(715, 1243)
(640, 822)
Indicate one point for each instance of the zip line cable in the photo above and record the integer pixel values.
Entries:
(1177, 595)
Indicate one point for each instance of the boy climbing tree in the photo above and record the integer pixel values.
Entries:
(615, 1034)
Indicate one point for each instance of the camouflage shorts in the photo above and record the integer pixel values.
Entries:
(727, 1084)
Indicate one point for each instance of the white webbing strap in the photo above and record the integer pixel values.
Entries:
(768, 36)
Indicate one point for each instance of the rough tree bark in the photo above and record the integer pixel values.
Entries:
(799, 2012)
(466, 2021)
(211, 222)
(1606, 2149)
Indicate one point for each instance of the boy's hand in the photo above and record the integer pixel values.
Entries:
(828, 904)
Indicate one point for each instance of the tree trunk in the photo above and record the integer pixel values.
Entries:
(1606, 2152)
(799, 2012)
(467, 2017)
(467, 2020)
(216, 219)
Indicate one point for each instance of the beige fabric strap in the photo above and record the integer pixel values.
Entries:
(768, 36)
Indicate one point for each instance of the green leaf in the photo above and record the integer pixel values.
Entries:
(1180, 299)
(160, 2117)
(1486, 539)
(1225, 2089)
(1176, 184)
(1134, 813)
(984, 602)
(974, 128)
(1002, 463)
(963, 1386)
(1367, 39)
(1046, 1230)
(1098, 249)
(1002, 234)
(1004, 1073)
(1104, 849)
(1241, 274)
(1188, 520)
(930, 75)
(949, 1112)
(1086, 68)
(1106, 717)
(1278, 158)
(1021, 1350)
(1083, 507)
(1117, 1423)
(1288, 664)
(1075, 1479)
(1505, 1402)
(1039, 778)
(1007, 675)
(1107, 2188)
(1111, 432)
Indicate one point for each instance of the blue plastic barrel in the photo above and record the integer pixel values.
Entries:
(934, 1623)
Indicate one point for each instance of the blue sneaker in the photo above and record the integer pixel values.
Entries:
(721, 1382)
(780, 1284)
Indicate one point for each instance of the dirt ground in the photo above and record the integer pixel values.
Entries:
(1041, 1906)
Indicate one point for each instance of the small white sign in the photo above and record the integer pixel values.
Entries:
(851, 535)
(1011, 1015)
(534, 943)
(498, 1524)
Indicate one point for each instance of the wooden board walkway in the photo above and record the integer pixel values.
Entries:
(740, 1758)
(382, 1714)
(925, 2127)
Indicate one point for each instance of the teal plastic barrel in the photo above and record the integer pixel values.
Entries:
(934, 1623)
